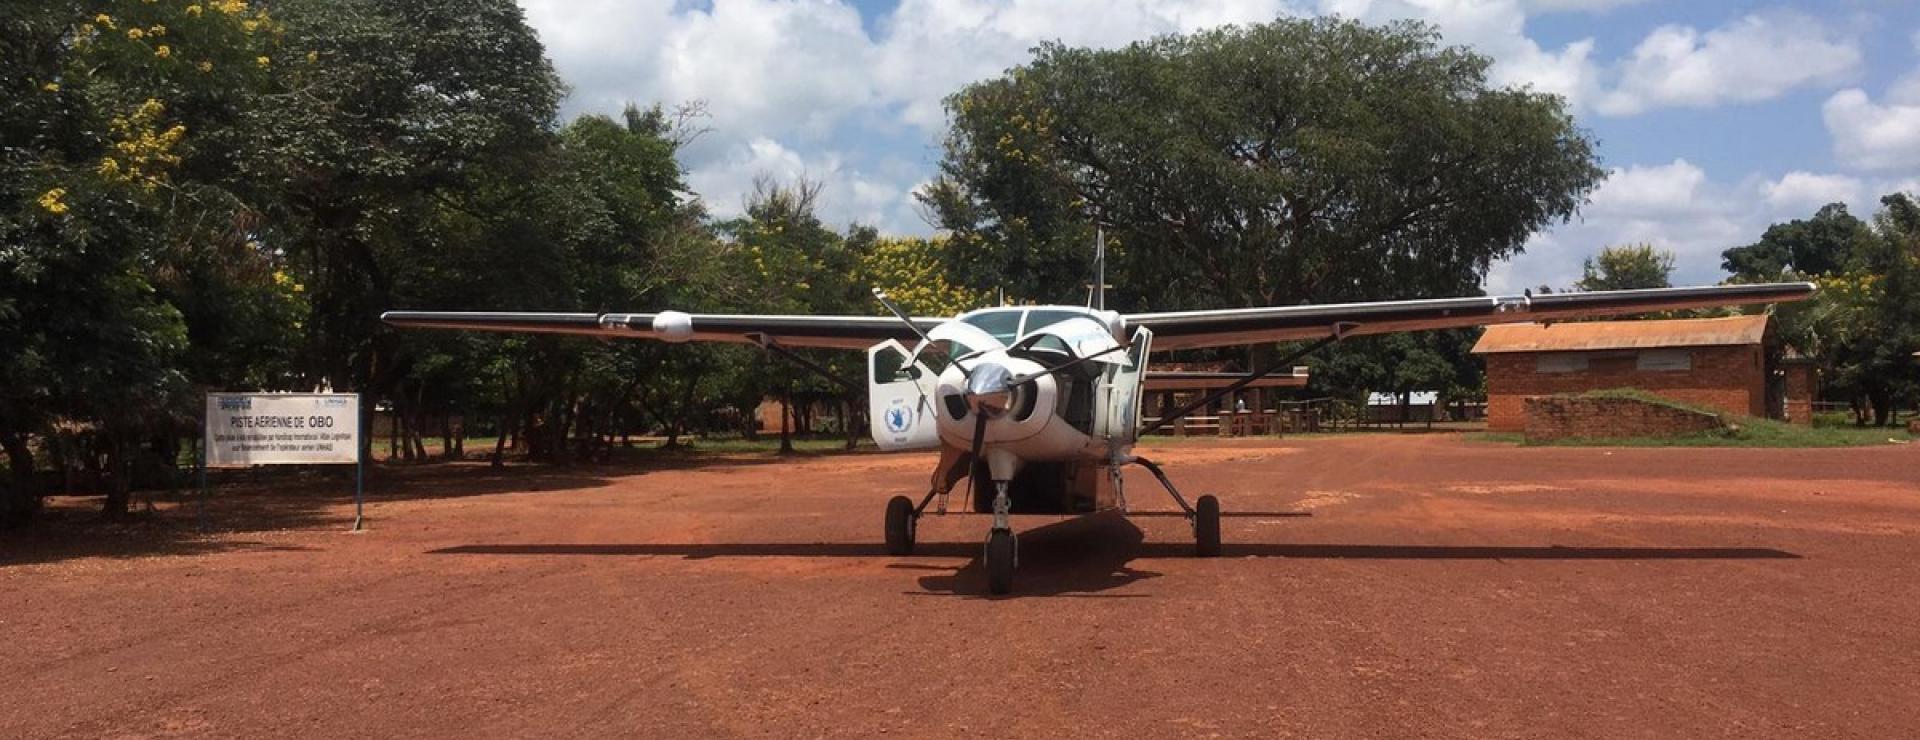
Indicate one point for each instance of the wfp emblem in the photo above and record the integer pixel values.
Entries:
(899, 417)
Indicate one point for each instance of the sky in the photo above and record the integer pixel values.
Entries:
(1714, 118)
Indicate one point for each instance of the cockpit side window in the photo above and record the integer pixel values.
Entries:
(1051, 342)
(1041, 318)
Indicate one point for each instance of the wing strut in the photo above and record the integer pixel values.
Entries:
(767, 342)
(1339, 332)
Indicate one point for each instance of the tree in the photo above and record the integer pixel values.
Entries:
(381, 111)
(1828, 244)
(1273, 164)
(1863, 325)
(1627, 267)
(913, 272)
(795, 264)
(123, 233)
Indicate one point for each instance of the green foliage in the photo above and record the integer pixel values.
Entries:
(1830, 243)
(1627, 267)
(913, 272)
(1295, 161)
(1864, 323)
(123, 238)
(1401, 363)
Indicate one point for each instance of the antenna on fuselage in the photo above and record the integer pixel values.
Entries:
(1097, 291)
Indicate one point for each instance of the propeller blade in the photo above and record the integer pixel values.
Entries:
(1017, 380)
(973, 454)
(979, 434)
(893, 308)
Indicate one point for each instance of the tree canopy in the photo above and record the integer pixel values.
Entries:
(1273, 164)
(1627, 267)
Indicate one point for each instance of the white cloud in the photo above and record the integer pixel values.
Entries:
(1755, 58)
(930, 48)
(1678, 206)
(763, 66)
(1496, 28)
(1875, 136)
(1549, 6)
(850, 194)
(1808, 191)
(1646, 191)
(770, 65)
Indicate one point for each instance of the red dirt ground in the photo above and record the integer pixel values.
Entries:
(1373, 586)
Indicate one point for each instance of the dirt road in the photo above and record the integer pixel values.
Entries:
(1376, 586)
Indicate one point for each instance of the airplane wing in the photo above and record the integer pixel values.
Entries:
(838, 332)
(1171, 331)
(1226, 327)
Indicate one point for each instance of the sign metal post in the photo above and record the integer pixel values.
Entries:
(359, 471)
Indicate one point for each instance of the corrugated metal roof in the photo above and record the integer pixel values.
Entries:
(1597, 335)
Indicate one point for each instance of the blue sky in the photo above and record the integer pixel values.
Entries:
(1715, 118)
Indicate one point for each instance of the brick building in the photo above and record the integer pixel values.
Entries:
(1719, 363)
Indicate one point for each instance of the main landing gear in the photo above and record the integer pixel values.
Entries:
(1002, 551)
(903, 520)
(1204, 514)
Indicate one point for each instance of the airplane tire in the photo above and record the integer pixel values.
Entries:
(900, 526)
(1000, 558)
(1206, 527)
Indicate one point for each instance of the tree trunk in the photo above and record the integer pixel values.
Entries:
(120, 483)
(21, 498)
(786, 428)
(500, 442)
(846, 421)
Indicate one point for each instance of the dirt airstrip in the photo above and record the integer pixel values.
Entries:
(1372, 586)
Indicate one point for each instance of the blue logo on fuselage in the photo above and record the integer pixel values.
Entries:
(899, 418)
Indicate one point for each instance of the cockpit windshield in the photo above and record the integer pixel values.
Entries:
(1009, 324)
(1002, 323)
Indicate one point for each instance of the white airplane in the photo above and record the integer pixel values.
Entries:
(1043, 402)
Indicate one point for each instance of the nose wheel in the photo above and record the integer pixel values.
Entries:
(1003, 553)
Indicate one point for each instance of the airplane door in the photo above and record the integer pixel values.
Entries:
(1120, 419)
(900, 399)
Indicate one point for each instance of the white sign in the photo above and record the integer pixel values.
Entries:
(282, 429)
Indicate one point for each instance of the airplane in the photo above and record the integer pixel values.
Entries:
(1042, 403)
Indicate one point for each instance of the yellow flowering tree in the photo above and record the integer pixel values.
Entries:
(913, 270)
(121, 227)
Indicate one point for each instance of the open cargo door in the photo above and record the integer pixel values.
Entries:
(900, 399)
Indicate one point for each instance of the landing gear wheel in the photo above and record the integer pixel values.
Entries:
(900, 526)
(1001, 554)
(1206, 527)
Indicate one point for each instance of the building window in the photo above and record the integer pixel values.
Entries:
(1559, 363)
(1657, 360)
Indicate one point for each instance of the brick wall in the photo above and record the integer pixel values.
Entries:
(1559, 417)
(1799, 392)
(1732, 379)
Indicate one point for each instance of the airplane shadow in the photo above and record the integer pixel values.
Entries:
(1086, 556)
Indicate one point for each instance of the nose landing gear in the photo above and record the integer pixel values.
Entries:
(1003, 550)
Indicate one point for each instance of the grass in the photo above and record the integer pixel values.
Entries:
(1746, 431)
(771, 443)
